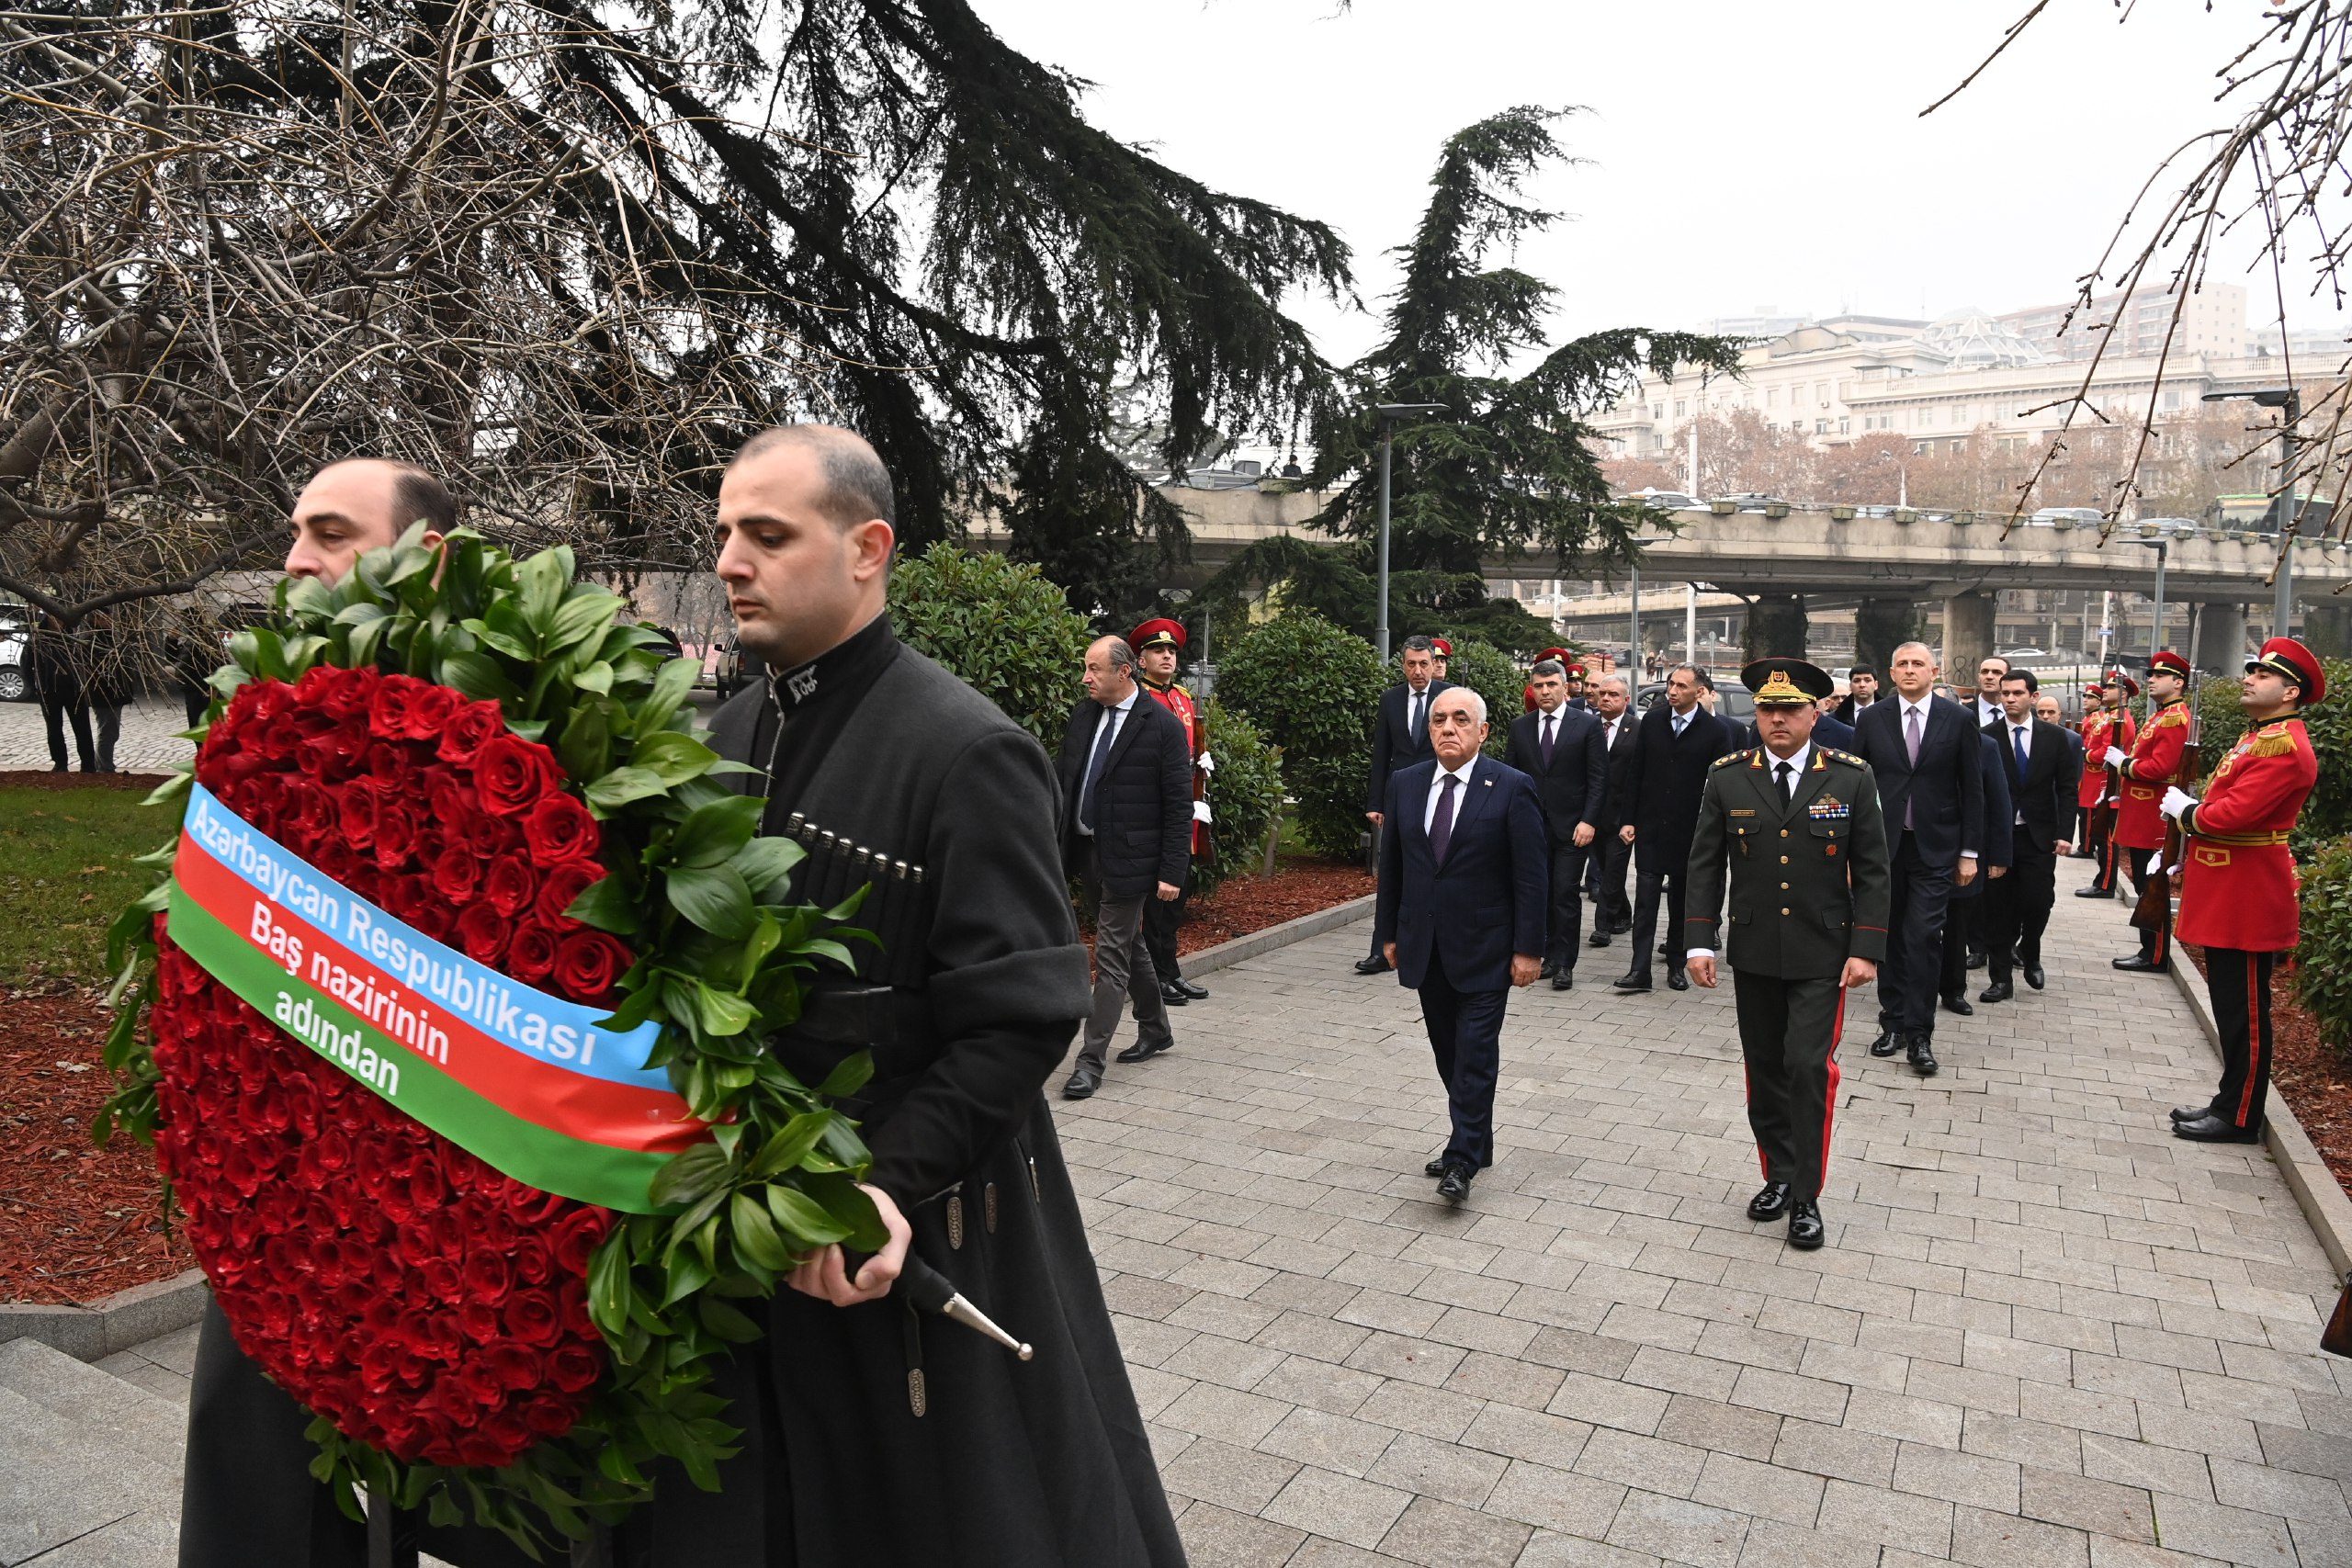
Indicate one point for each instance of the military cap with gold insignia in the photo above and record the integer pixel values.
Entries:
(2167, 659)
(2297, 663)
(1158, 633)
(1787, 682)
(1441, 648)
(2117, 678)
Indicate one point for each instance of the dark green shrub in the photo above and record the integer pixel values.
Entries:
(1245, 792)
(2220, 720)
(1005, 628)
(1487, 670)
(2323, 959)
(2328, 814)
(1312, 689)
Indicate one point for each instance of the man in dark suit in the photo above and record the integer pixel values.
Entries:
(1676, 744)
(1127, 830)
(1400, 738)
(1613, 912)
(1928, 762)
(1460, 914)
(1561, 748)
(1964, 919)
(2044, 771)
(1863, 691)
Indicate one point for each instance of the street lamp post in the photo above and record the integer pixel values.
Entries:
(2156, 627)
(2290, 402)
(1391, 415)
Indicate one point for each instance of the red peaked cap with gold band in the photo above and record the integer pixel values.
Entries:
(1568, 662)
(2117, 678)
(2297, 663)
(1441, 648)
(1158, 633)
(2169, 661)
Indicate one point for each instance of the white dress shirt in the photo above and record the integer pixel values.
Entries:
(1795, 780)
(1437, 789)
(1114, 715)
(2018, 737)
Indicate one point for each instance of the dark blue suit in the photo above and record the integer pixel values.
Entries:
(1573, 789)
(1457, 925)
(1943, 796)
(1966, 922)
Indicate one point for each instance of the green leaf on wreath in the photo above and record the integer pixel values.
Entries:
(542, 577)
(848, 1077)
(692, 1174)
(586, 612)
(713, 897)
(726, 1322)
(622, 786)
(596, 677)
(754, 1236)
(586, 748)
(764, 863)
(803, 1218)
(790, 1146)
(671, 684)
(478, 676)
(713, 833)
(847, 1202)
(687, 1276)
(723, 1013)
(498, 641)
(605, 905)
(675, 757)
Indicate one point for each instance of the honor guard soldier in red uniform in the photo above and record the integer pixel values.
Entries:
(1442, 651)
(2238, 893)
(2086, 794)
(1158, 646)
(2153, 766)
(2115, 730)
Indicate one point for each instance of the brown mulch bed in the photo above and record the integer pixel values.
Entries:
(49, 778)
(1247, 904)
(2315, 1081)
(76, 1221)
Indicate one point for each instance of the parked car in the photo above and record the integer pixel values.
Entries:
(15, 659)
(1733, 701)
(2016, 653)
(2171, 527)
(2075, 516)
(1753, 499)
(1662, 500)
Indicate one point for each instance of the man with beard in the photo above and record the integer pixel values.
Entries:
(874, 757)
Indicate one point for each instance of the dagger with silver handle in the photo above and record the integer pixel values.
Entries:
(930, 1291)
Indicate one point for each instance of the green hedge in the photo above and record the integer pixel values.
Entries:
(1313, 690)
(2324, 960)
(1490, 672)
(1006, 628)
(1245, 794)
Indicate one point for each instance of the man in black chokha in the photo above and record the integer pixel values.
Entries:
(1800, 828)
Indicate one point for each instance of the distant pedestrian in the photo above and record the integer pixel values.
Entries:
(1400, 738)
(1460, 915)
(58, 681)
(1861, 692)
(1677, 741)
(1159, 645)
(1963, 940)
(1613, 912)
(2113, 732)
(2043, 767)
(1126, 832)
(1561, 749)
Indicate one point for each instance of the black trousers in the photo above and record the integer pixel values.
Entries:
(1160, 923)
(2238, 984)
(1788, 1036)
(1647, 886)
(2016, 911)
(1565, 929)
(246, 1495)
(55, 714)
(2155, 941)
(1465, 1036)
(1613, 857)
(1909, 980)
(1961, 914)
(2110, 857)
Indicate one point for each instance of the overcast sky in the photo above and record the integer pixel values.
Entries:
(1742, 155)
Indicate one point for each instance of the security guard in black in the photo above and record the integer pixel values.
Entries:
(1799, 827)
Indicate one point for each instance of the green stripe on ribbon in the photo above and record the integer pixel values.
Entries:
(592, 1173)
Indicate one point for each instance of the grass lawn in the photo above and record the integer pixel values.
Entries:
(66, 871)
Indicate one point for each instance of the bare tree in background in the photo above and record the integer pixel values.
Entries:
(2275, 170)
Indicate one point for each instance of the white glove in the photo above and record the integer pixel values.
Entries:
(2116, 757)
(2176, 800)
(1207, 764)
(2155, 866)
(1201, 811)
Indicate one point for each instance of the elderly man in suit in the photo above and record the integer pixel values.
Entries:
(1928, 761)
(1561, 748)
(1676, 744)
(1127, 828)
(2045, 767)
(1613, 912)
(1400, 738)
(1460, 914)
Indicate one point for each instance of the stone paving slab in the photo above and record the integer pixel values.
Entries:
(2044, 1331)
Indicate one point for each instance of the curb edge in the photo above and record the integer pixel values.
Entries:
(98, 1330)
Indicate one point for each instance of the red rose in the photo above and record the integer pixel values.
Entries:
(511, 775)
(559, 827)
(468, 730)
(514, 1367)
(549, 1416)
(490, 836)
(530, 953)
(395, 831)
(532, 1317)
(429, 711)
(578, 1236)
(575, 1367)
(388, 708)
(457, 875)
(508, 886)
(482, 933)
(489, 1276)
(453, 800)
(588, 964)
(562, 884)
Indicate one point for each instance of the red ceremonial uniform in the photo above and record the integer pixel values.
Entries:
(2155, 765)
(2238, 889)
(1179, 701)
(2101, 731)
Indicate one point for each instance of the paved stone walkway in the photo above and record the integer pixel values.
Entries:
(2045, 1334)
(148, 742)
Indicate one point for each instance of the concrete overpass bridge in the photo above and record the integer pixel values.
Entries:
(1885, 565)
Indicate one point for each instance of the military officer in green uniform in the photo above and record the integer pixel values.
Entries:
(1799, 827)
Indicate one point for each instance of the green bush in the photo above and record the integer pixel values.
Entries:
(1245, 794)
(2323, 959)
(1003, 628)
(1313, 690)
(1487, 670)
(2220, 721)
(2328, 814)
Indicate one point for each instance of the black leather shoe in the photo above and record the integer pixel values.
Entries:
(1676, 980)
(2210, 1129)
(1959, 1005)
(1198, 993)
(1436, 1167)
(2094, 891)
(1923, 1055)
(1371, 966)
(1666, 950)
(1562, 979)
(1637, 981)
(1139, 1052)
(1999, 991)
(1454, 1185)
(1976, 961)
(2034, 976)
(1806, 1229)
(1082, 1085)
(1771, 1203)
(1173, 995)
(1620, 927)
(2191, 1113)
(1888, 1042)
(1597, 939)
(1548, 970)
(2135, 964)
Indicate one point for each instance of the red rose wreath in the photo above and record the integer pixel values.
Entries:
(473, 747)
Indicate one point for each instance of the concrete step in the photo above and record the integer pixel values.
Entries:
(89, 1464)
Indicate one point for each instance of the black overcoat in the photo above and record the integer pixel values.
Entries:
(1143, 802)
(1663, 784)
